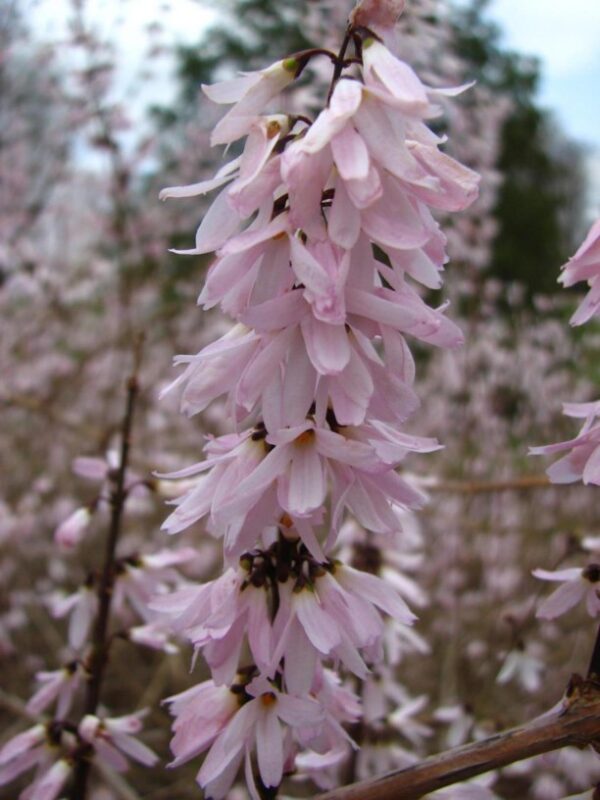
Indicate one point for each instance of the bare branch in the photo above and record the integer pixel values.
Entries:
(574, 722)
(526, 482)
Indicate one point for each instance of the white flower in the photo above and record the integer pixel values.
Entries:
(526, 669)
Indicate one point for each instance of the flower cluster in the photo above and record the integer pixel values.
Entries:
(57, 747)
(582, 462)
(324, 239)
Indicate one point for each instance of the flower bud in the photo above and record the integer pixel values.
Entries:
(70, 532)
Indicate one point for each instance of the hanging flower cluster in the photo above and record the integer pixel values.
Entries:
(324, 235)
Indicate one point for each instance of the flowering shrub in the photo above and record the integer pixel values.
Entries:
(326, 249)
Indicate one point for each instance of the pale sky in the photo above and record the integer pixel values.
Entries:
(565, 35)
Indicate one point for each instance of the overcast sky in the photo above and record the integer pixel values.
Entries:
(565, 35)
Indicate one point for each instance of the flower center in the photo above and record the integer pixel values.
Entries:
(268, 699)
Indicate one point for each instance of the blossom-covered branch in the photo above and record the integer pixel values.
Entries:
(323, 233)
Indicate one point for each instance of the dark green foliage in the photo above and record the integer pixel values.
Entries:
(540, 204)
(253, 33)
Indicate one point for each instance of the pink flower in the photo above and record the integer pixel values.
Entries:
(524, 667)
(81, 608)
(319, 230)
(404, 720)
(256, 727)
(585, 266)
(154, 636)
(202, 713)
(104, 471)
(217, 615)
(113, 739)
(332, 615)
(583, 462)
(21, 752)
(37, 747)
(143, 577)
(60, 686)
(249, 94)
(578, 584)
(49, 783)
(70, 532)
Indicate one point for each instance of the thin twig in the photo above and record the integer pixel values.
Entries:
(15, 705)
(99, 649)
(594, 669)
(339, 64)
(575, 722)
(527, 482)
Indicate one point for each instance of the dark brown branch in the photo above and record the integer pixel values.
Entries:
(339, 64)
(575, 723)
(100, 642)
(594, 669)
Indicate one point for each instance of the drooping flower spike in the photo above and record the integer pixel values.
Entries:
(324, 235)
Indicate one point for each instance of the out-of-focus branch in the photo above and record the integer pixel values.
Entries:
(15, 705)
(40, 407)
(527, 482)
(100, 642)
(576, 721)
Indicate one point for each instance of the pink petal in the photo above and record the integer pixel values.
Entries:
(219, 223)
(307, 488)
(224, 175)
(350, 154)
(327, 345)
(564, 598)
(277, 314)
(269, 747)
(94, 469)
(232, 90)
(21, 742)
(377, 592)
(255, 236)
(322, 631)
(298, 712)
(367, 191)
(50, 785)
(393, 222)
(300, 663)
(558, 575)
(397, 77)
(245, 494)
(344, 219)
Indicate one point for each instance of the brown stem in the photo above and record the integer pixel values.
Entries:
(339, 64)
(594, 670)
(100, 643)
(526, 482)
(574, 723)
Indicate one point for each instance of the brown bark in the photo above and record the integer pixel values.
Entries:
(575, 722)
